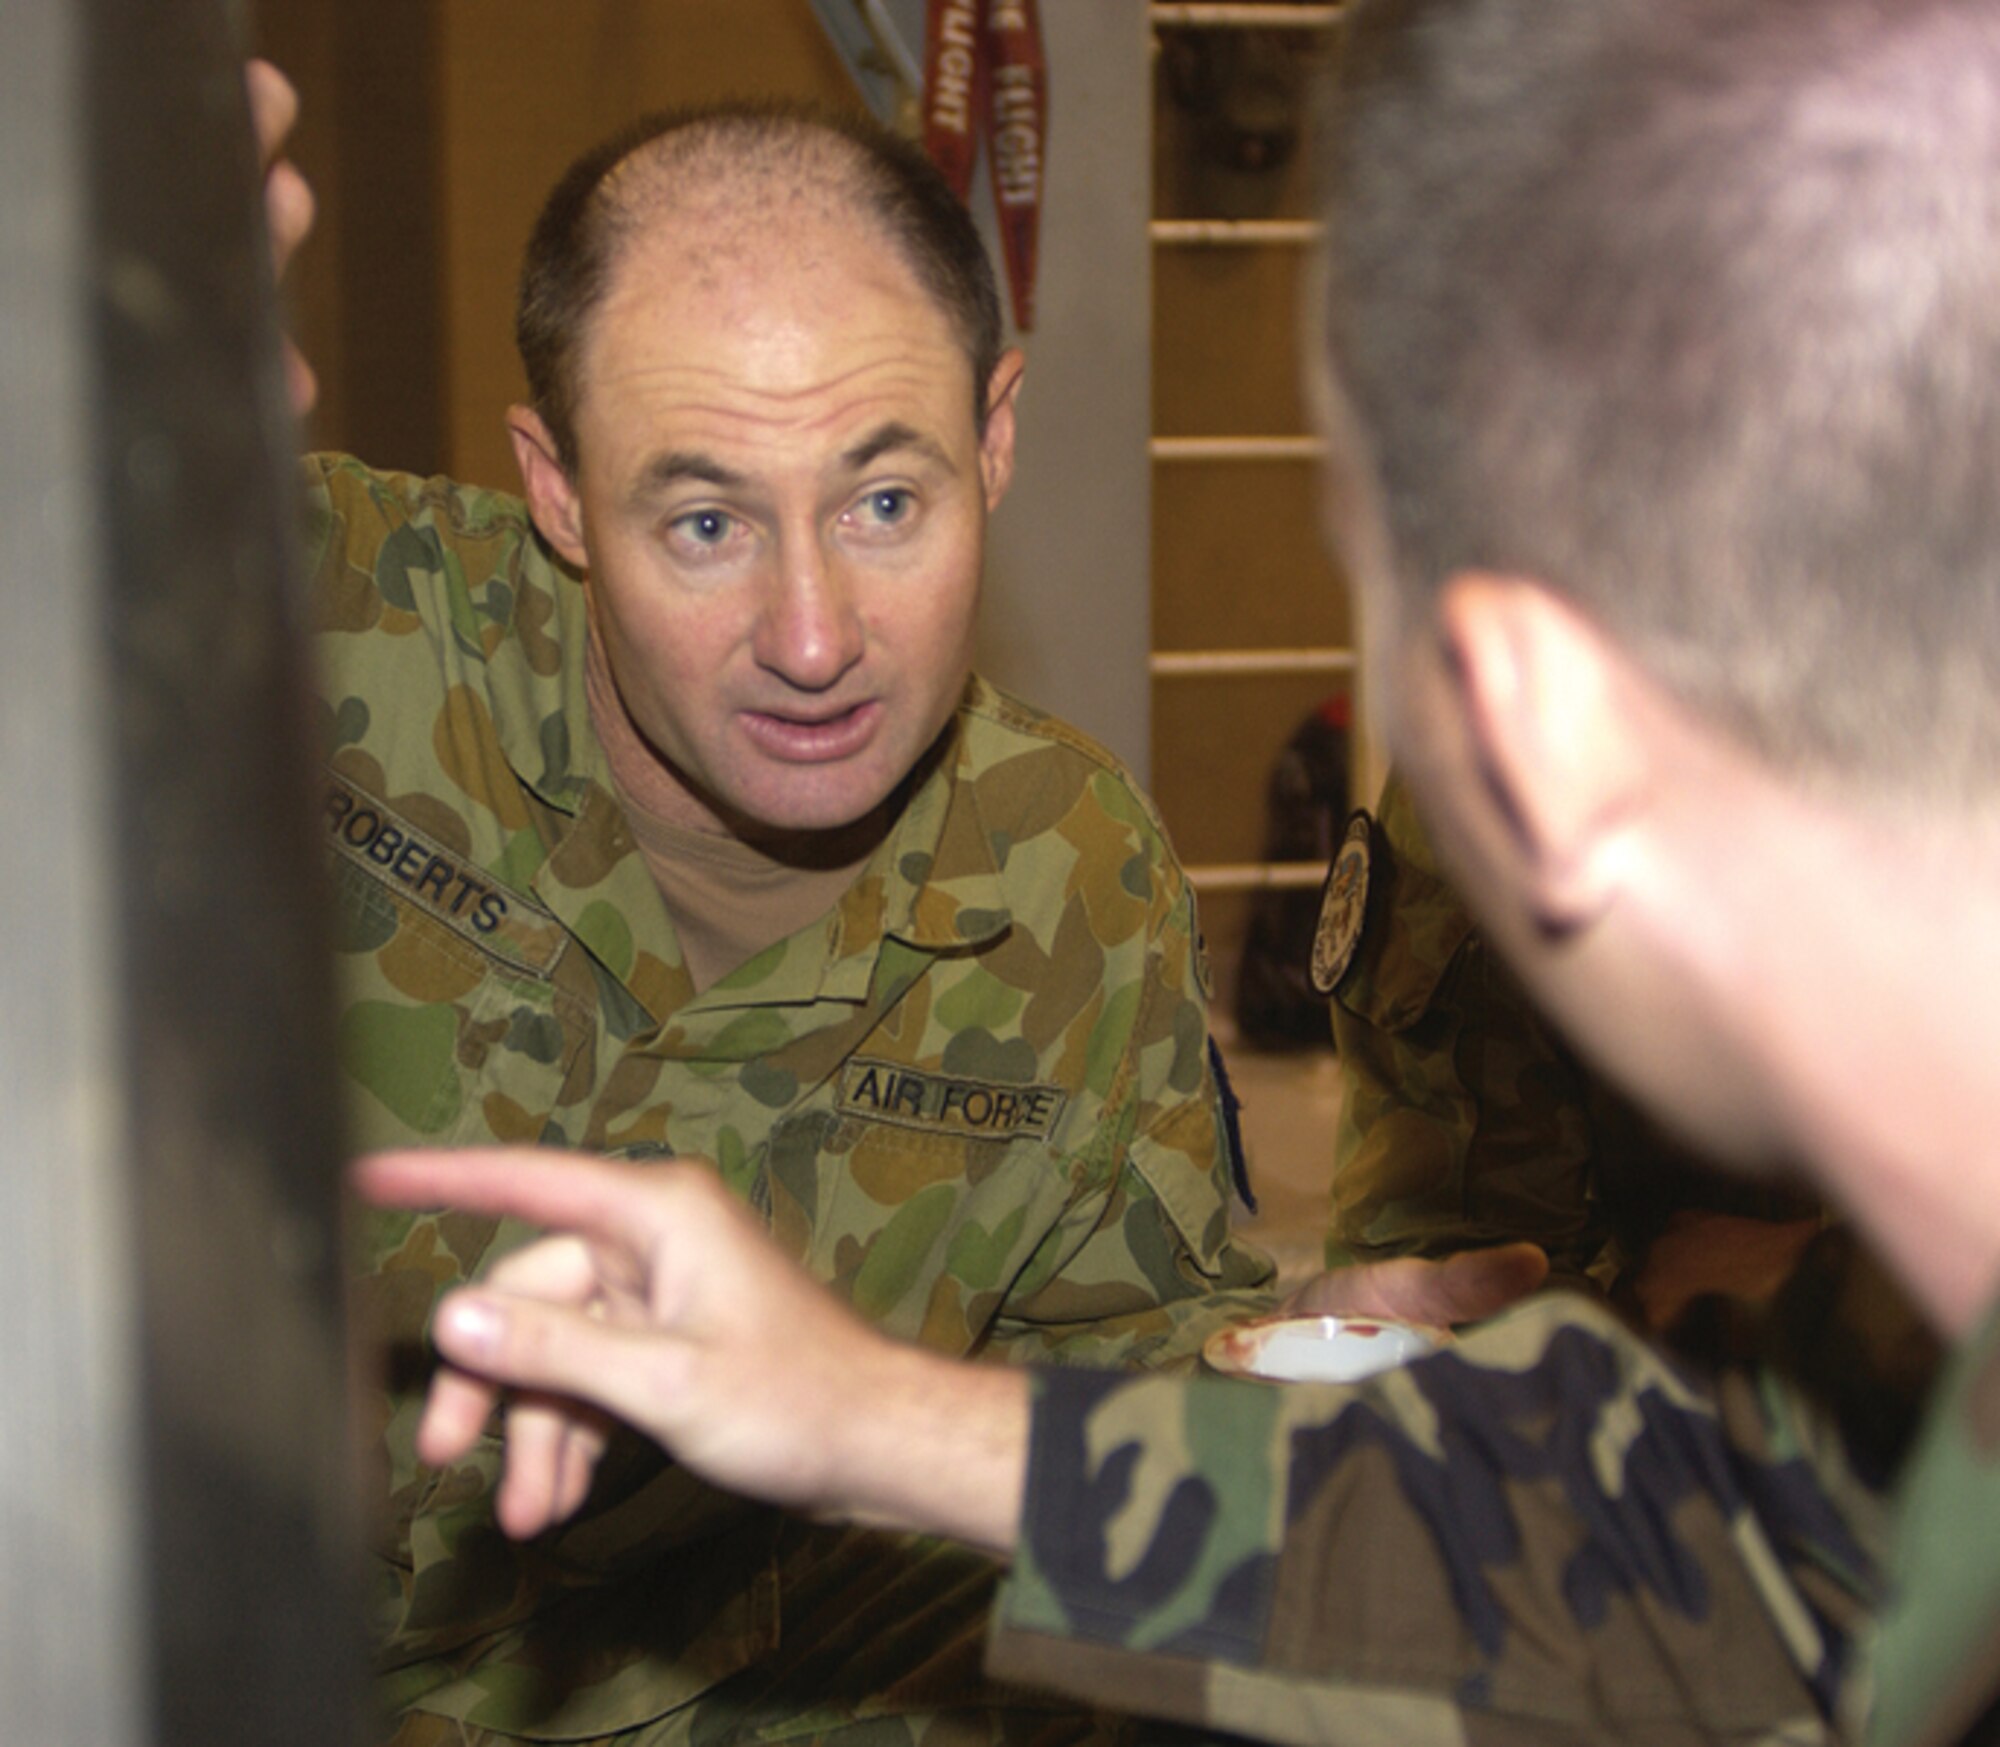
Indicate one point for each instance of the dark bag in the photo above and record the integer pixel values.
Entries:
(1307, 805)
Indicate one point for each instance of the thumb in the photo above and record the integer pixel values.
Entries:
(1461, 1288)
(1479, 1283)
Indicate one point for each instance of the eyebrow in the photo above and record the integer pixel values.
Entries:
(678, 464)
(685, 464)
(888, 437)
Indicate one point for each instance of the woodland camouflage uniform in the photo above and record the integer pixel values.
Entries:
(976, 1099)
(1551, 1532)
(1548, 1533)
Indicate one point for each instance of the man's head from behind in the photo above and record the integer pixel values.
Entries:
(770, 416)
(1691, 308)
(1687, 314)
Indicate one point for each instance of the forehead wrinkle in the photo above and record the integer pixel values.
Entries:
(899, 399)
(761, 313)
(748, 383)
(698, 463)
(697, 258)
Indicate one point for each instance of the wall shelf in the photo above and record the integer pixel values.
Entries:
(1243, 17)
(1235, 232)
(1237, 448)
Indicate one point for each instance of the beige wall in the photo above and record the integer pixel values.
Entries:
(1069, 559)
(432, 130)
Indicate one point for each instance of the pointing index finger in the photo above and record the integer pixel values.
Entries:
(618, 1205)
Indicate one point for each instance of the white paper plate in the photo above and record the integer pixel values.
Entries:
(1317, 1349)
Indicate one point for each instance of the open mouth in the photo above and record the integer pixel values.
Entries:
(813, 740)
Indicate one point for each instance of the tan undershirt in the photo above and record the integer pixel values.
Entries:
(729, 900)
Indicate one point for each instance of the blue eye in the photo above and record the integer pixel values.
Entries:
(891, 504)
(706, 527)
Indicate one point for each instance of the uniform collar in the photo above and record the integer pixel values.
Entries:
(536, 676)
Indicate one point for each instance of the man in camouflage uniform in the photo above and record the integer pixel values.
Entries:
(1466, 1119)
(935, 1009)
(1662, 336)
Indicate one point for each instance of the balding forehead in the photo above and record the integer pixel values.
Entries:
(747, 162)
(710, 223)
(706, 195)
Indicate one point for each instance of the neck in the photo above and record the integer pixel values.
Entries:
(643, 777)
(1857, 961)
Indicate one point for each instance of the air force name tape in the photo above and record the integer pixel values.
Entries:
(878, 1091)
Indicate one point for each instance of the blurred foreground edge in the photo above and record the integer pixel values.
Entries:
(179, 1550)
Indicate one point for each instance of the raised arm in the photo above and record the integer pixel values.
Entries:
(661, 1301)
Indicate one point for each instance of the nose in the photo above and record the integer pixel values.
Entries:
(809, 632)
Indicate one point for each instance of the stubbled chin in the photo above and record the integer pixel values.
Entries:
(824, 797)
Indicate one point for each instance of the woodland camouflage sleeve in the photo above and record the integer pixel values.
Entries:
(1544, 1534)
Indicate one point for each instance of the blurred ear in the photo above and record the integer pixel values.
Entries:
(1555, 716)
(996, 442)
(547, 486)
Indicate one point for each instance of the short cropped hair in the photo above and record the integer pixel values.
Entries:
(595, 208)
(1690, 309)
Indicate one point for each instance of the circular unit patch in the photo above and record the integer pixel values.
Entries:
(1343, 907)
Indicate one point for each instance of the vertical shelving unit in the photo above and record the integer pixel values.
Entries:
(1251, 629)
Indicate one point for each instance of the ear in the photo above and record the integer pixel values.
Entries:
(996, 442)
(1555, 716)
(547, 486)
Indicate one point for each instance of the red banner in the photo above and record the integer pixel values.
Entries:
(954, 72)
(985, 71)
(1018, 119)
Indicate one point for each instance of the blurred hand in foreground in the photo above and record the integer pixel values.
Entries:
(288, 201)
